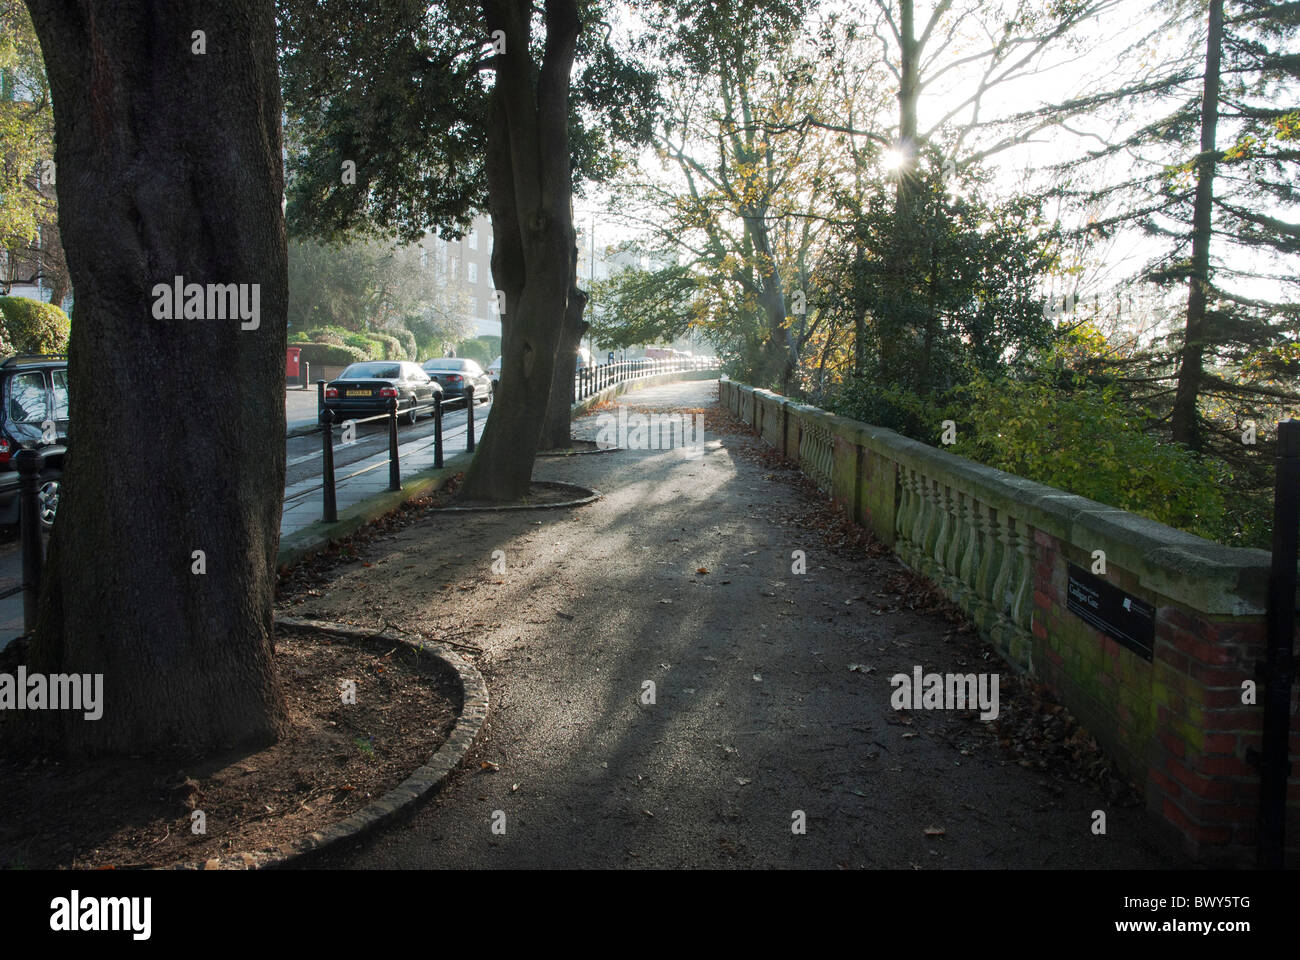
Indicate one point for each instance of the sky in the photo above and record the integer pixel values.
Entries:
(1095, 58)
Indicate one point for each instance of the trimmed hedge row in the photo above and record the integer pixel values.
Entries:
(33, 326)
(330, 355)
(368, 345)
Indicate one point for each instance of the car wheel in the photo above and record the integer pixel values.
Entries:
(412, 415)
(47, 499)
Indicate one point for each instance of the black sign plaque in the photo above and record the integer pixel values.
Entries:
(1107, 608)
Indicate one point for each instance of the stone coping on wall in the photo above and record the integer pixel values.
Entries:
(1187, 569)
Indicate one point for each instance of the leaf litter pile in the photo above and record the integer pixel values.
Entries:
(1032, 729)
(140, 811)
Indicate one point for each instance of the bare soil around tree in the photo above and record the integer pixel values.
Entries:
(241, 808)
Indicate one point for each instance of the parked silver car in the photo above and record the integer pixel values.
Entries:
(455, 374)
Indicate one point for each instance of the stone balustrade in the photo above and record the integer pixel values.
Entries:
(1002, 548)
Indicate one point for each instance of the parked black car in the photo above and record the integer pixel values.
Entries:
(364, 389)
(33, 412)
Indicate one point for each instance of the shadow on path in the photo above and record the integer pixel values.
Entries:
(757, 713)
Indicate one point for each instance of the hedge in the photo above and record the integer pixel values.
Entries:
(407, 339)
(392, 347)
(331, 355)
(32, 326)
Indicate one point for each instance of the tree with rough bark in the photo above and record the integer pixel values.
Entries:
(1210, 176)
(442, 110)
(736, 197)
(976, 49)
(161, 568)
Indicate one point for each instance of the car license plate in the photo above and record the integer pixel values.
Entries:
(358, 393)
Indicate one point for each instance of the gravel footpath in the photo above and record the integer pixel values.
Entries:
(771, 689)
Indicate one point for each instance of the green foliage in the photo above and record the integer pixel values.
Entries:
(328, 354)
(391, 302)
(372, 344)
(1090, 442)
(26, 128)
(483, 350)
(1081, 438)
(401, 92)
(641, 306)
(406, 339)
(33, 326)
(892, 407)
(946, 286)
(390, 346)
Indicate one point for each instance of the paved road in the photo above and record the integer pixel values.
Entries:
(758, 712)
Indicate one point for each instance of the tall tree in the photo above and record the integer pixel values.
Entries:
(739, 200)
(1210, 176)
(162, 566)
(978, 48)
(530, 188)
(29, 235)
(401, 91)
(1183, 424)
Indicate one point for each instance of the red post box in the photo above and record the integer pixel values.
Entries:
(291, 369)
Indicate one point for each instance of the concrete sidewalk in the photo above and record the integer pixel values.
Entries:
(668, 693)
(358, 482)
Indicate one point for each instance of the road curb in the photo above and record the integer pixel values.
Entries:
(420, 785)
(304, 431)
(315, 538)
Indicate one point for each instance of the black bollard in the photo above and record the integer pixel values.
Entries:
(327, 466)
(394, 469)
(29, 463)
(469, 412)
(437, 430)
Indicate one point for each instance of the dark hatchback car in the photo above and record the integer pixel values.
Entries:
(365, 389)
(33, 412)
(457, 373)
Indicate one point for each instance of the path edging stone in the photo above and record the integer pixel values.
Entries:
(422, 782)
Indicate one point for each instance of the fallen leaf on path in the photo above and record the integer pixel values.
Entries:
(934, 831)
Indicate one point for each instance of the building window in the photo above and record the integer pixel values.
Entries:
(473, 239)
(472, 272)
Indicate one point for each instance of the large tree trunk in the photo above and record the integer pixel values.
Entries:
(530, 186)
(169, 166)
(1185, 423)
(899, 326)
